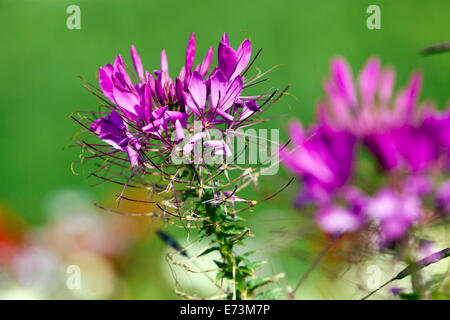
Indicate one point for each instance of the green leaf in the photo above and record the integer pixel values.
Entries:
(220, 275)
(256, 265)
(249, 253)
(271, 294)
(258, 282)
(209, 250)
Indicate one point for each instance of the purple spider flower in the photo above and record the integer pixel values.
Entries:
(160, 111)
(409, 143)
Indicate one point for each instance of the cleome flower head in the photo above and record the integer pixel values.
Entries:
(410, 145)
(158, 113)
(179, 130)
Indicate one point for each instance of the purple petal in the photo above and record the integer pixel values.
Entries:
(296, 132)
(194, 140)
(127, 101)
(121, 77)
(106, 83)
(137, 63)
(179, 131)
(176, 115)
(190, 104)
(337, 220)
(219, 146)
(190, 52)
(384, 149)
(197, 88)
(133, 156)
(343, 78)
(150, 81)
(160, 92)
(243, 54)
(225, 115)
(179, 92)
(218, 87)
(368, 81)
(385, 205)
(164, 62)
(406, 100)
(110, 129)
(227, 58)
(393, 229)
(146, 102)
(232, 94)
(206, 62)
(386, 86)
(413, 90)
(225, 39)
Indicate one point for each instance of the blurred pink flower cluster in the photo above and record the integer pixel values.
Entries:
(410, 144)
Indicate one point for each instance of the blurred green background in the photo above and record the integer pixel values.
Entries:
(41, 58)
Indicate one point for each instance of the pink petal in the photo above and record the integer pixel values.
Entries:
(232, 94)
(164, 62)
(190, 104)
(197, 88)
(133, 156)
(220, 147)
(194, 140)
(225, 39)
(244, 53)
(337, 220)
(206, 62)
(126, 101)
(146, 102)
(368, 81)
(137, 63)
(227, 59)
(218, 87)
(190, 52)
(179, 131)
(106, 83)
(224, 115)
(121, 77)
(413, 90)
(296, 132)
(343, 78)
(386, 86)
